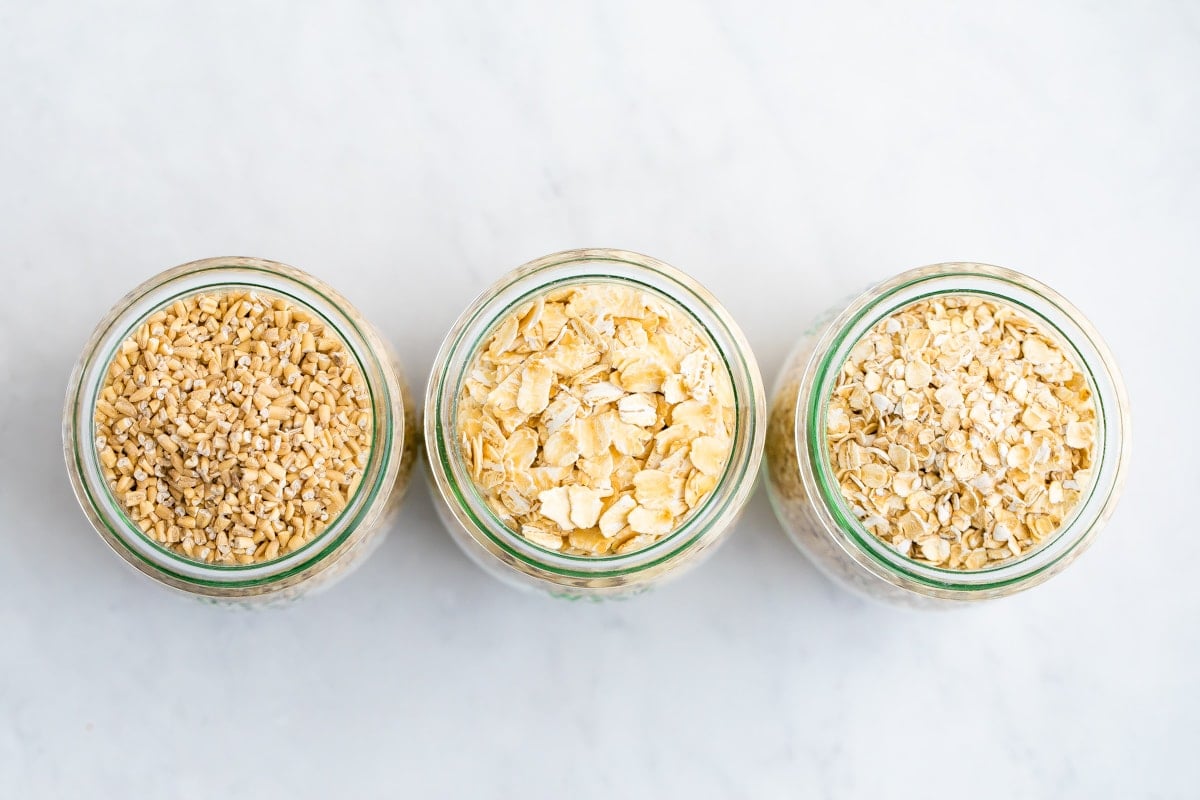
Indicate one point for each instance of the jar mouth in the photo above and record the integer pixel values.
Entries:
(1058, 319)
(571, 268)
(221, 275)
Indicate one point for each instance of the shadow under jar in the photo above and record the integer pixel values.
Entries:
(349, 533)
(463, 504)
(805, 486)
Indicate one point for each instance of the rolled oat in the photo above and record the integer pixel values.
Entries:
(595, 419)
(960, 433)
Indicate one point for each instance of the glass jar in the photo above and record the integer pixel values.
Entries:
(518, 561)
(808, 499)
(355, 532)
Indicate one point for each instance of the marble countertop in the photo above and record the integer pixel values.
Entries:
(785, 154)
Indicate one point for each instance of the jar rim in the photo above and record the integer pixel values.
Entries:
(270, 278)
(536, 278)
(1068, 326)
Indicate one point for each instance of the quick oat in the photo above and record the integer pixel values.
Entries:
(960, 433)
(233, 427)
(595, 419)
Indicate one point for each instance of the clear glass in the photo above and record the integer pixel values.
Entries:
(807, 498)
(509, 556)
(350, 536)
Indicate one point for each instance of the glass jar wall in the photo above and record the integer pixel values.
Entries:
(804, 488)
(348, 537)
(512, 557)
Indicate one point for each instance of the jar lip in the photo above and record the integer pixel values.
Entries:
(1069, 327)
(222, 274)
(535, 278)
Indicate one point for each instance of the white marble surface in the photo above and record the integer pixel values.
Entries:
(783, 153)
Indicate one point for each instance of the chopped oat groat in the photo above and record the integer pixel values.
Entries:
(595, 419)
(233, 427)
(960, 434)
